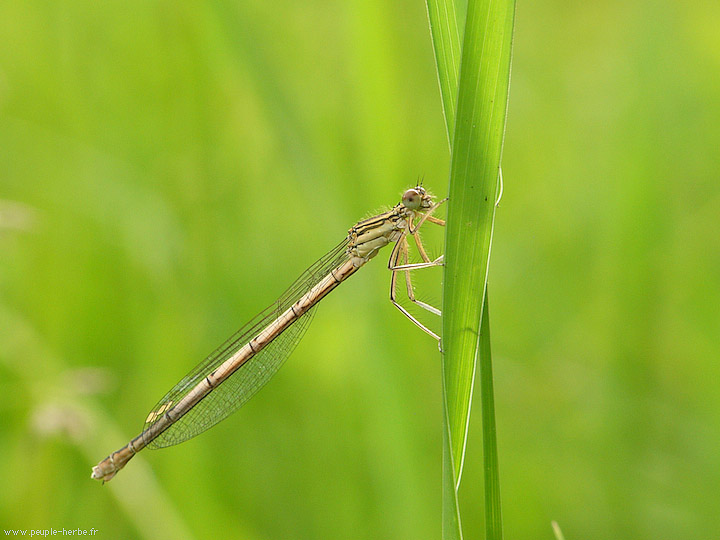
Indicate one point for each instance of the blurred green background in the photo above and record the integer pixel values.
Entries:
(168, 168)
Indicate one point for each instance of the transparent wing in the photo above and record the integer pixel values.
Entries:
(237, 389)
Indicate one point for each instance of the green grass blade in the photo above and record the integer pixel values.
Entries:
(493, 513)
(477, 148)
(451, 528)
(458, 377)
(446, 44)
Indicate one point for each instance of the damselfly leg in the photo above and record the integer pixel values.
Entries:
(399, 262)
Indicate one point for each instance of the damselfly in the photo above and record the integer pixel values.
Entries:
(231, 375)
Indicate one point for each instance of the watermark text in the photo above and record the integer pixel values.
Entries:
(31, 533)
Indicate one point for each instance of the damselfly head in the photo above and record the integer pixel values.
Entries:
(416, 199)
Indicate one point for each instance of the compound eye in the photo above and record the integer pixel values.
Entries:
(412, 199)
